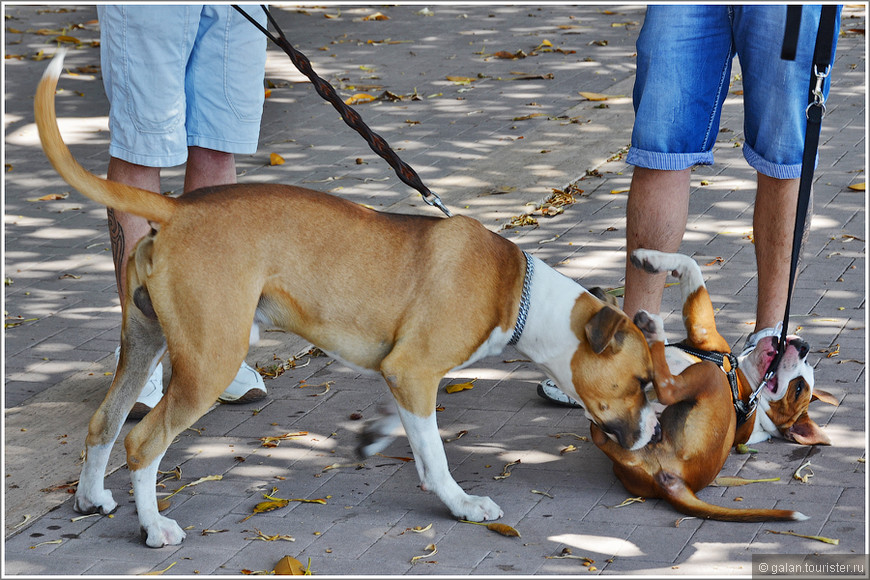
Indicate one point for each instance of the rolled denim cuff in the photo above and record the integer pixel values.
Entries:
(667, 161)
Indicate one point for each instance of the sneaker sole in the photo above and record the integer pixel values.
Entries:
(250, 397)
(138, 411)
(543, 394)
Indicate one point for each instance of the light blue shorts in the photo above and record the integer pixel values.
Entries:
(179, 76)
(684, 56)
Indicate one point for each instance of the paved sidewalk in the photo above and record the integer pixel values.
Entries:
(493, 146)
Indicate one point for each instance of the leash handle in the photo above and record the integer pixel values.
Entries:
(377, 143)
(815, 112)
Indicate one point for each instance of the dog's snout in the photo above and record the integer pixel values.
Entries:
(657, 433)
(802, 347)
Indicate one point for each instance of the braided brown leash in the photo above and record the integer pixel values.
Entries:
(377, 143)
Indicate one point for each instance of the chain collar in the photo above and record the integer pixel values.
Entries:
(525, 300)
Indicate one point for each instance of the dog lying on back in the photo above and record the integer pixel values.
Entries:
(699, 421)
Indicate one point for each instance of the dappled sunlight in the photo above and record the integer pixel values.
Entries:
(843, 439)
(600, 545)
(75, 131)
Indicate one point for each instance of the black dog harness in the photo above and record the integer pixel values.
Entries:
(728, 363)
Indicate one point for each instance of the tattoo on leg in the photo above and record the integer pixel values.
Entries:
(116, 236)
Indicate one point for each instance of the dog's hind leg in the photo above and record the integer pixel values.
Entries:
(142, 346)
(200, 373)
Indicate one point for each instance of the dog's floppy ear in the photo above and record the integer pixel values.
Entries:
(806, 432)
(602, 295)
(825, 397)
(603, 329)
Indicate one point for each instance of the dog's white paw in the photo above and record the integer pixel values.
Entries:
(163, 532)
(652, 326)
(97, 501)
(478, 508)
(648, 260)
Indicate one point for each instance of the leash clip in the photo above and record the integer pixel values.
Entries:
(761, 385)
(818, 93)
(435, 201)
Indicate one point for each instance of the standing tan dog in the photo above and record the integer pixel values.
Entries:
(322, 269)
(699, 422)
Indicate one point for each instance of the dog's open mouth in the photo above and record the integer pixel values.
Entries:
(772, 385)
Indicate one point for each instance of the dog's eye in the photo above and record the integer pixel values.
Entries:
(798, 389)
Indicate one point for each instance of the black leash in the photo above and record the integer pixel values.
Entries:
(377, 143)
(822, 58)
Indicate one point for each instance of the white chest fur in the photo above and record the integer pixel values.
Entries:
(548, 339)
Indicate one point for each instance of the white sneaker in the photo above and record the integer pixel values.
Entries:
(548, 390)
(753, 339)
(247, 387)
(151, 393)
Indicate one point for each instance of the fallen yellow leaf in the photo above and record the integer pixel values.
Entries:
(857, 186)
(359, 98)
(503, 529)
(289, 566)
(275, 440)
(267, 538)
(505, 473)
(458, 387)
(275, 159)
(727, 481)
(803, 478)
(461, 80)
(159, 572)
(432, 551)
(68, 39)
(833, 541)
(376, 16)
(593, 96)
(629, 501)
(50, 197)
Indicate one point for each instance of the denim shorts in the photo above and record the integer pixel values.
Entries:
(684, 56)
(179, 76)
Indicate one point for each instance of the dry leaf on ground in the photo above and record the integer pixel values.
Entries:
(459, 387)
(728, 481)
(289, 566)
(432, 551)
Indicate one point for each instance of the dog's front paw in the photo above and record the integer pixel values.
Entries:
(162, 532)
(478, 508)
(100, 501)
(651, 325)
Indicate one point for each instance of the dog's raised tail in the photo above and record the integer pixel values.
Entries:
(678, 494)
(149, 205)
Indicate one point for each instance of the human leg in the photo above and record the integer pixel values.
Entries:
(658, 206)
(125, 229)
(207, 167)
(684, 67)
(775, 99)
